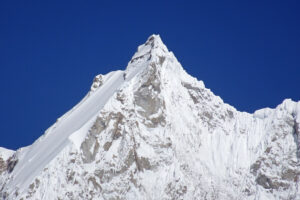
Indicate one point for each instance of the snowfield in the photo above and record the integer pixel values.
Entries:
(154, 132)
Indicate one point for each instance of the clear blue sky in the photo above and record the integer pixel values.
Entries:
(247, 52)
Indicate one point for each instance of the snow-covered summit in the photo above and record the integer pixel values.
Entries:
(154, 132)
(154, 47)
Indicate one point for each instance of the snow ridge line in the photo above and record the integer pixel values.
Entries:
(45, 150)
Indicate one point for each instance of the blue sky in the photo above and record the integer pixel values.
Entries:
(247, 52)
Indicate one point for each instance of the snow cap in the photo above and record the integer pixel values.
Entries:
(152, 47)
(156, 42)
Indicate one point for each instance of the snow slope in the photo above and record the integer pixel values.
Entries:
(44, 150)
(160, 134)
(69, 127)
(5, 153)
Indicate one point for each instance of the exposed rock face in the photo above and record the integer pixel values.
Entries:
(7, 160)
(7, 163)
(3, 166)
(163, 135)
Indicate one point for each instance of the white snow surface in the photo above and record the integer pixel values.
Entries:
(5, 153)
(69, 128)
(154, 132)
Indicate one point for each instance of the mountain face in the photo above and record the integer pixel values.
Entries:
(154, 132)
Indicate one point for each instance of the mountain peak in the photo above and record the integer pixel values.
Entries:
(155, 42)
(151, 48)
(152, 132)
